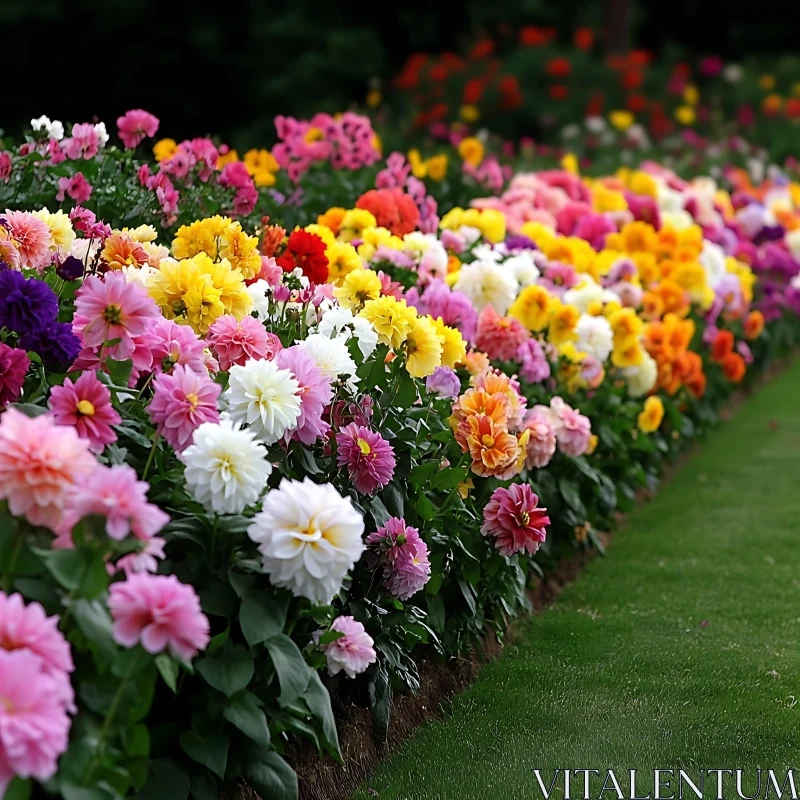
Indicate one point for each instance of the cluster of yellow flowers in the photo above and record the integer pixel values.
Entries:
(428, 343)
(490, 222)
(434, 167)
(206, 277)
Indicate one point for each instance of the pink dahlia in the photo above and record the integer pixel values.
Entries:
(135, 126)
(513, 517)
(176, 344)
(34, 726)
(353, 652)
(404, 557)
(235, 341)
(542, 443)
(144, 560)
(535, 367)
(574, 432)
(14, 365)
(369, 458)
(32, 238)
(274, 346)
(40, 462)
(182, 401)
(160, 612)
(86, 405)
(499, 337)
(112, 308)
(118, 495)
(315, 394)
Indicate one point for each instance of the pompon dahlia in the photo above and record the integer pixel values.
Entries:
(226, 468)
(34, 726)
(353, 652)
(499, 337)
(513, 517)
(237, 341)
(113, 309)
(369, 458)
(573, 429)
(14, 365)
(86, 405)
(315, 393)
(265, 397)
(401, 552)
(182, 401)
(40, 463)
(26, 304)
(307, 251)
(31, 237)
(542, 443)
(159, 612)
(117, 494)
(309, 537)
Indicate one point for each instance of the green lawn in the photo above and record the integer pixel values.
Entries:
(680, 649)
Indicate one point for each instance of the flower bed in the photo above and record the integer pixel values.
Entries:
(257, 443)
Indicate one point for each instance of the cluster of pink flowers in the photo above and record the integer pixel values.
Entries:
(573, 430)
(542, 442)
(489, 173)
(158, 612)
(352, 652)
(35, 691)
(499, 337)
(347, 142)
(401, 553)
(515, 520)
(234, 175)
(369, 458)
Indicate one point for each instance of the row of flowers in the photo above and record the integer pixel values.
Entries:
(243, 461)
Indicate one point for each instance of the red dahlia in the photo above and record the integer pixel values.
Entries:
(307, 251)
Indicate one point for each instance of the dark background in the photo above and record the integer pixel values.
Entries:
(230, 68)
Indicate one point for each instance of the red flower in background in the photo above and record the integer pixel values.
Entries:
(409, 76)
(636, 103)
(482, 49)
(559, 92)
(473, 91)
(595, 107)
(631, 79)
(510, 92)
(584, 38)
(558, 67)
(438, 72)
(531, 36)
(392, 209)
(307, 251)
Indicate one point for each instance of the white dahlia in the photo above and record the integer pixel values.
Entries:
(641, 378)
(263, 396)
(309, 537)
(594, 336)
(338, 321)
(226, 469)
(330, 355)
(488, 283)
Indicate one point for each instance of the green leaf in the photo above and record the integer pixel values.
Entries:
(169, 669)
(271, 776)
(229, 670)
(466, 590)
(208, 749)
(448, 478)
(95, 624)
(330, 636)
(263, 614)
(379, 511)
(569, 491)
(66, 566)
(420, 473)
(119, 371)
(244, 711)
(293, 672)
(425, 508)
(129, 662)
(379, 691)
(18, 789)
(436, 612)
(471, 570)
(204, 787)
(29, 409)
(319, 703)
(406, 392)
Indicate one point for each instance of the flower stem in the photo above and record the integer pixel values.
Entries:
(151, 456)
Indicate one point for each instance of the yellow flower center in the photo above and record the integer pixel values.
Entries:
(113, 314)
(524, 517)
(363, 446)
(193, 400)
(487, 441)
(85, 408)
(314, 135)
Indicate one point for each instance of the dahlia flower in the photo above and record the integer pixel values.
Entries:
(339, 321)
(117, 494)
(14, 365)
(236, 341)
(353, 652)
(55, 344)
(369, 458)
(309, 537)
(226, 468)
(444, 382)
(423, 348)
(513, 518)
(26, 304)
(403, 555)
(314, 391)
(534, 366)
(159, 612)
(499, 337)
(487, 283)
(32, 238)
(595, 336)
(111, 308)
(86, 405)
(265, 397)
(144, 560)
(541, 446)
(573, 429)
(330, 355)
(641, 378)
(34, 726)
(182, 401)
(176, 344)
(40, 463)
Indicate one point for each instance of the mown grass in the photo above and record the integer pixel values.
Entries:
(680, 649)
